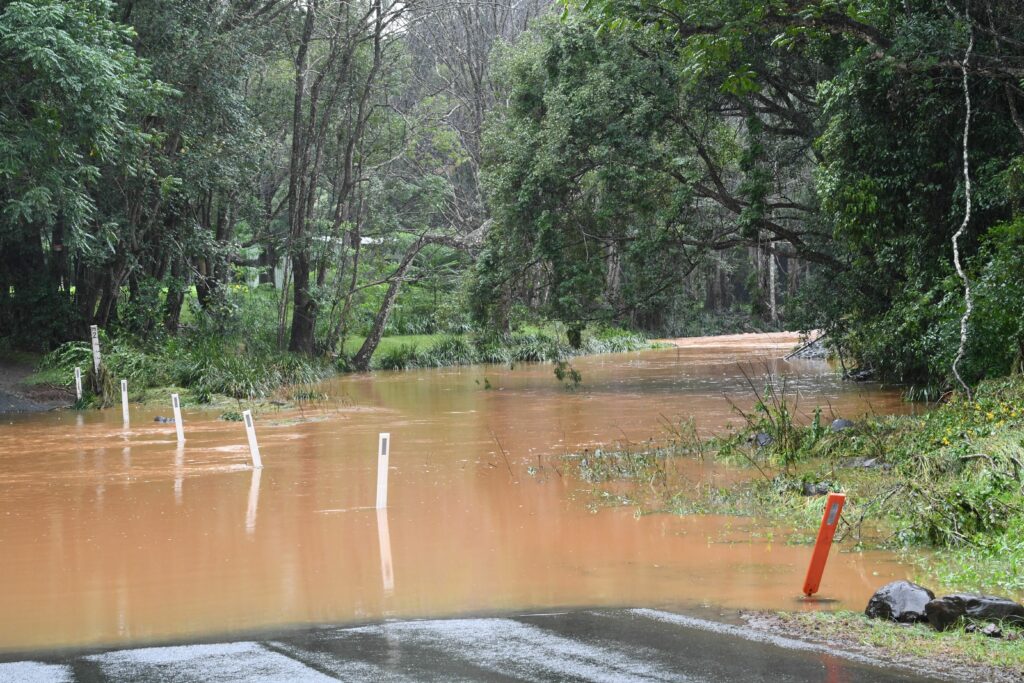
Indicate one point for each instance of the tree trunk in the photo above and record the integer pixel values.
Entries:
(361, 361)
(304, 315)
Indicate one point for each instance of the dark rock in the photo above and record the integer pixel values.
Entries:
(841, 424)
(762, 439)
(992, 631)
(165, 420)
(900, 601)
(949, 609)
(970, 628)
(862, 375)
(820, 489)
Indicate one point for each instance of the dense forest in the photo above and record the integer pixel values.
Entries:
(289, 176)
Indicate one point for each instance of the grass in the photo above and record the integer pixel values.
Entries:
(389, 344)
(948, 649)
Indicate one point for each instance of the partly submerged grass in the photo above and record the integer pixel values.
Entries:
(948, 481)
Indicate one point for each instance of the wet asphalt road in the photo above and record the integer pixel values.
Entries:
(590, 645)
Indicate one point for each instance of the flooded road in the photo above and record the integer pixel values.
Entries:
(114, 536)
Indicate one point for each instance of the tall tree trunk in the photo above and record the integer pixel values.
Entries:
(304, 315)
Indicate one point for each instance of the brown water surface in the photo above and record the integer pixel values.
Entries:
(117, 536)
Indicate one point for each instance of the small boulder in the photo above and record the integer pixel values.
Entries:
(165, 420)
(841, 424)
(762, 439)
(948, 610)
(900, 601)
(820, 489)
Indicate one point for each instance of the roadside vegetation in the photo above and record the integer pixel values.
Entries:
(948, 480)
(236, 355)
(962, 653)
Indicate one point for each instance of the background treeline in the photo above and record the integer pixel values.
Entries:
(312, 175)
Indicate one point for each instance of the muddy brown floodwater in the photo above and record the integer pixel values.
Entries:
(113, 536)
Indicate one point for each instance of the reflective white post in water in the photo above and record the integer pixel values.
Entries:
(179, 472)
(254, 448)
(387, 569)
(254, 501)
(383, 446)
(78, 383)
(178, 426)
(124, 401)
(94, 331)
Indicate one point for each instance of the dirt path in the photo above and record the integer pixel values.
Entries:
(16, 397)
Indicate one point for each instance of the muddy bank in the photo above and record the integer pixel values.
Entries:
(18, 397)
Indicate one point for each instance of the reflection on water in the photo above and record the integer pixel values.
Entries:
(161, 541)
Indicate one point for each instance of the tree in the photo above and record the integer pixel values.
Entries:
(73, 87)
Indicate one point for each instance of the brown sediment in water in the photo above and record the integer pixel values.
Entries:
(113, 536)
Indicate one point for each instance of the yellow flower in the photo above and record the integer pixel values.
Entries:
(945, 441)
(990, 415)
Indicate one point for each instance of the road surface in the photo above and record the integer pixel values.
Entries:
(587, 645)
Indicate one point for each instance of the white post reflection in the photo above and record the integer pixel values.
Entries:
(179, 472)
(254, 501)
(387, 570)
(126, 456)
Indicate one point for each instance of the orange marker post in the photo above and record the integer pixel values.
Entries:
(829, 521)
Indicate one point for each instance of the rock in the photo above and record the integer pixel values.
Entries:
(949, 609)
(862, 375)
(900, 601)
(165, 420)
(762, 439)
(992, 631)
(820, 489)
(841, 424)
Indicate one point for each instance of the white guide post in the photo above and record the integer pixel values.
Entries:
(254, 448)
(178, 426)
(124, 400)
(383, 448)
(179, 472)
(254, 501)
(78, 383)
(387, 569)
(95, 332)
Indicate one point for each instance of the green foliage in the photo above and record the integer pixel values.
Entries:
(519, 348)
